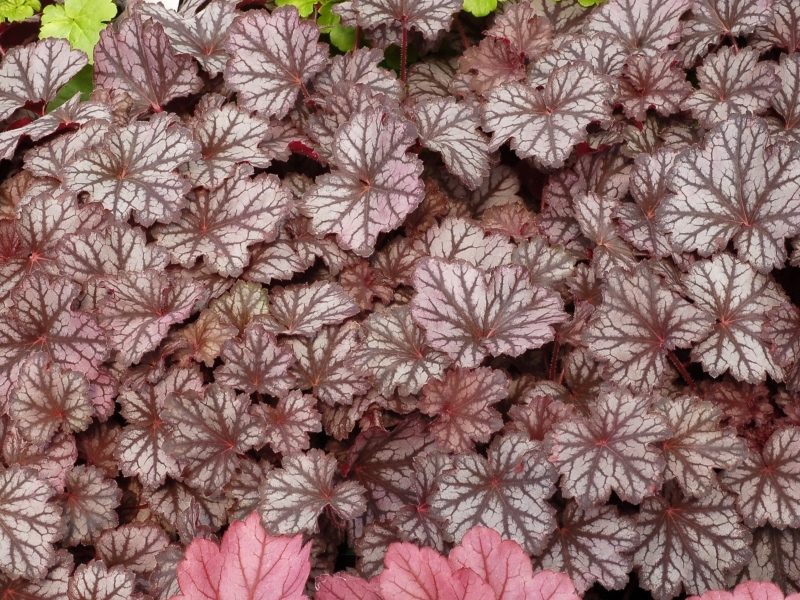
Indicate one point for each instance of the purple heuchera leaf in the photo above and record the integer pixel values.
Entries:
(643, 26)
(428, 17)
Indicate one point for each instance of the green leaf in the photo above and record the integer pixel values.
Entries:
(304, 7)
(480, 8)
(79, 21)
(82, 82)
(344, 38)
(18, 10)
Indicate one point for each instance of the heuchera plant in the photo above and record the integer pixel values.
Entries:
(393, 299)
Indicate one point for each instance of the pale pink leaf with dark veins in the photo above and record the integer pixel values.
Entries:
(89, 502)
(698, 444)
(293, 497)
(393, 349)
(288, 423)
(322, 364)
(594, 214)
(139, 59)
(547, 124)
(248, 563)
(429, 17)
(139, 309)
(787, 101)
(461, 405)
(376, 185)
(35, 72)
(208, 433)
(603, 51)
(781, 332)
(677, 534)
(653, 81)
(612, 450)
(638, 324)
(468, 314)
(359, 67)
(29, 523)
(732, 83)
(140, 448)
(452, 129)
(738, 298)
(304, 309)
(506, 491)
(782, 31)
(48, 398)
(134, 169)
(256, 363)
(200, 35)
(93, 581)
(644, 26)
(592, 545)
(463, 239)
(732, 189)
(219, 225)
(42, 320)
(133, 545)
(272, 57)
(766, 485)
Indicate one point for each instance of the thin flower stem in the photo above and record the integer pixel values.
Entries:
(462, 33)
(403, 51)
(682, 370)
(554, 360)
(357, 36)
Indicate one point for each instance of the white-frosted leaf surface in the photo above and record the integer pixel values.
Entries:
(767, 484)
(48, 398)
(594, 214)
(499, 189)
(643, 26)
(200, 35)
(547, 124)
(138, 59)
(227, 135)
(43, 320)
(304, 309)
(141, 307)
(293, 497)
(732, 83)
(93, 581)
(140, 447)
(468, 314)
(638, 323)
(591, 546)
(431, 78)
(776, 558)
(287, 424)
(272, 57)
(323, 364)
(566, 17)
(787, 100)
(604, 52)
(134, 169)
(256, 363)
(221, 224)
(547, 265)
(698, 444)
(376, 184)
(711, 20)
(35, 72)
(781, 332)
(89, 501)
(612, 450)
(359, 67)
(689, 544)
(461, 405)
(393, 349)
(638, 223)
(429, 17)
(528, 32)
(653, 81)
(242, 491)
(507, 491)
(462, 239)
(208, 433)
(782, 31)
(733, 189)
(134, 545)
(29, 524)
(452, 129)
(738, 298)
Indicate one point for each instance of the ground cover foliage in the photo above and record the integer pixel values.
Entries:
(380, 299)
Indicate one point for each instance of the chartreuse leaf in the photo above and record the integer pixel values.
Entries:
(304, 7)
(344, 38)
(18, 10)
(480, 8)
(79, 21)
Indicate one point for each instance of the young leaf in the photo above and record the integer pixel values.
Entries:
(765, 483)
(612, 450)
(506, 492)
(376, 184)
(287, 425)
(733, 189)
(15, 11)
(78, 21)
(594, 214)
(738, 298)
(293, 497)
(653, 82)
(547, 124)
(273, 56)
(468, 314)
(528, 32)
(139, 60)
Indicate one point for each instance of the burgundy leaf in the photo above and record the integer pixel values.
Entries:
(287, 425)
(528, 32)
(653, 82)
(89, 500)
